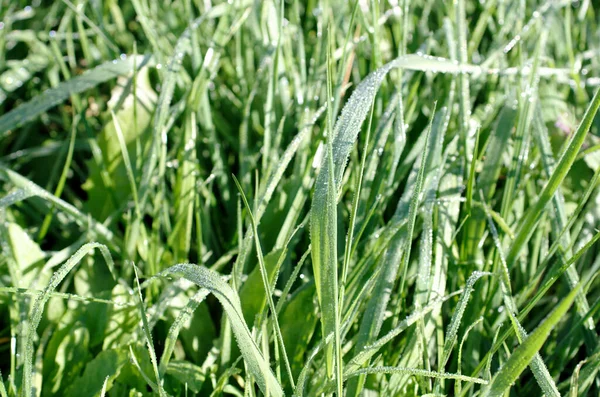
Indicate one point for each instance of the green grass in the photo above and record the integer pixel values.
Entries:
(283, 197)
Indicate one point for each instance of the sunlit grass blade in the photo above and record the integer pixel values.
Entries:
(258, 367)
(525, 352)
(41, 300)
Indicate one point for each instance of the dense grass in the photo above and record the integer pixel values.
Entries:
(378, 198)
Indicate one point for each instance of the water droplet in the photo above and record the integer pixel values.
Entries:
(380, 151)
(189, 145)
(123, 57)
(52, 34)
(1, 25)
(27, 9)
(114, 61)
(158, 66)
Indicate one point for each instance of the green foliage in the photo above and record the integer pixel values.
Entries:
(299, 198)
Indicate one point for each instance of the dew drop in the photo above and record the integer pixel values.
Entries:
(123, 57)
(52, 34)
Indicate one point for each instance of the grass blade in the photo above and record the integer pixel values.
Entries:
(41, 300)
(256, 363)
(523, 354)
(527, 225)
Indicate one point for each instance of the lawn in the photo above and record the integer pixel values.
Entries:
(301, 198)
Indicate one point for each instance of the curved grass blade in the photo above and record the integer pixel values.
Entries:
(523, 354)
(52, 97)
(41, 300)
(255, 362)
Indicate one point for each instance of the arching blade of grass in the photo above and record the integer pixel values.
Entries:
(41, 300)
(523, 354)
(255, 361)
(29, 110)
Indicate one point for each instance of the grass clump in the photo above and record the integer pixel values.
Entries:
(299, 198)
